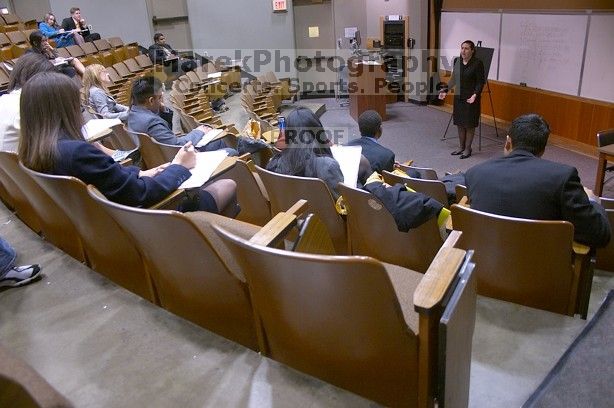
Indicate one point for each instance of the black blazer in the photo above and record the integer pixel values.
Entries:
(380, 157)
(69, 24)
(118, 183)
(524, 186)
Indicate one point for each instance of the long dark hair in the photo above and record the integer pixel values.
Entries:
(26, 67)
(305, 140)
(50, 109)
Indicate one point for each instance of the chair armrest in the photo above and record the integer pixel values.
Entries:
(126, 162)
(168, 200)
(276, 230)
(438, 279)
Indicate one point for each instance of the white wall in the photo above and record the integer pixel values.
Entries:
(248, 26)
(127, 19)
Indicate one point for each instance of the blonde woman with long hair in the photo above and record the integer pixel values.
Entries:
(94, 94)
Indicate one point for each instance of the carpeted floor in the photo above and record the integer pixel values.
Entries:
(582, 376)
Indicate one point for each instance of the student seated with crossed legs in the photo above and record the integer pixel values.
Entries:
(52, 143)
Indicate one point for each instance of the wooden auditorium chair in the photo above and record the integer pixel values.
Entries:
(21, 203)
(604, 138)
(362, 325)
(605, 256)
(432, 188)
(528, 262)
(285, 190)
(193, 273)
(251, 194)
(154, 153)
(19, 43)
(56, 227)
(109, 250)
(373, 232)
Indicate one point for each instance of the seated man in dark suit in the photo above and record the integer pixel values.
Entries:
(380, 157)
(75, 21)
(144, 117)
(163, 54)
(523, 185)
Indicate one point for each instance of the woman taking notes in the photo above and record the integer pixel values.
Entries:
(468, 78)
(51, 142)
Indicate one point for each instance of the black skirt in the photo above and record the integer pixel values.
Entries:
(466, 114)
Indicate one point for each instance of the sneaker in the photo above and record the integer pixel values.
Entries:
(20, 275)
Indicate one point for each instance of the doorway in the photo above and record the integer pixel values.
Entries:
(315, 46)
(170, 17)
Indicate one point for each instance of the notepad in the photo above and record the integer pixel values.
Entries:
(95, 127)
(209, 136)
(348, 158)
(206, 163)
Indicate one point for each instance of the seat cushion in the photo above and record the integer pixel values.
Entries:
(204, 220)
(405, 281)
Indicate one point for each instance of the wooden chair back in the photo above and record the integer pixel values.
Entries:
(108, 249)
(121, 138)
(122, 70)
(426, 173)
(21, 203)
(17, 37)
(522, 261)
(461, 191)
(285, 190)
(89, 48)
(251, 194)
(154, 153)
(187, 264)
(605, 137)
(144, 61)
(75, 51)
(605, 256)
(55, 225)
(133, 66)
(340, 319)
(102, 45)
(432, 188)
(373, 232)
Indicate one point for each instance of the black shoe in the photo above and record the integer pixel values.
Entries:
(466, 155)
(457, 152)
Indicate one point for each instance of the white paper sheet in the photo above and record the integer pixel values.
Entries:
(206, 163)
(209, 136)
(95, 127)
(349, 161)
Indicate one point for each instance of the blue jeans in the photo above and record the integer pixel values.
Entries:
(7, 257)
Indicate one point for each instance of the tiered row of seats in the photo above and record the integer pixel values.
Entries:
(11, 22)
(226, 276)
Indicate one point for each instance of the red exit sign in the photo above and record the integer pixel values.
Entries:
(280, 5)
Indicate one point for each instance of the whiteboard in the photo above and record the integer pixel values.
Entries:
(598, 77)
(458, 27)
(543, 50)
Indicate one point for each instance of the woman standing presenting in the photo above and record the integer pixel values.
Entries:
(468, 77)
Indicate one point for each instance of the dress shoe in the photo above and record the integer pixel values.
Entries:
(457, 152)
(466, 155)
